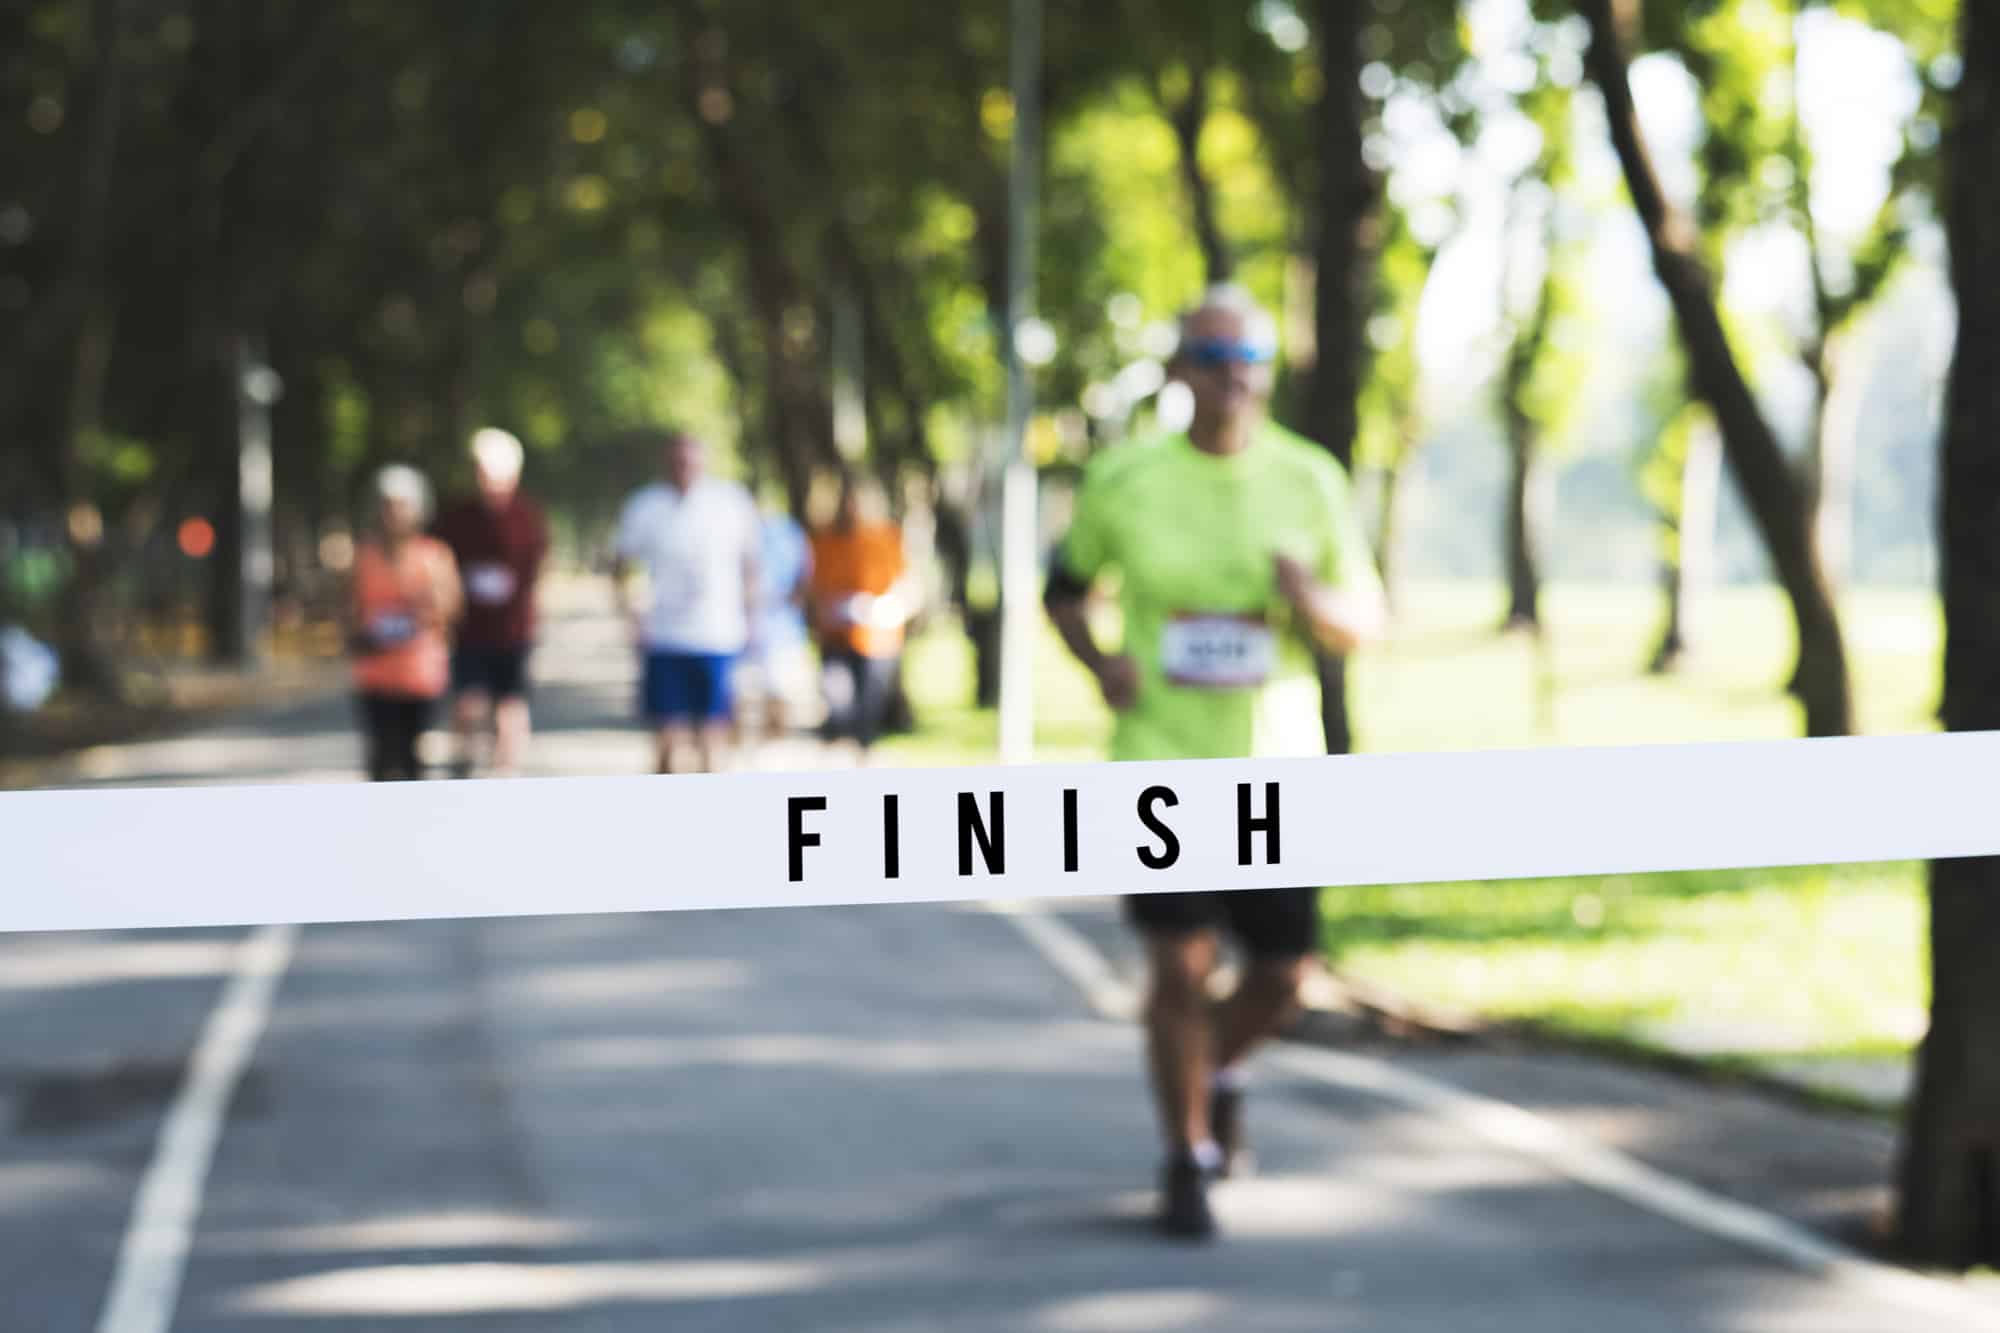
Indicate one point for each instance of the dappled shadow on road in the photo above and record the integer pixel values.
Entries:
(68, 1061)
(1045, 1261)
(314, 740)
(1826, 1170)
(840, 1119)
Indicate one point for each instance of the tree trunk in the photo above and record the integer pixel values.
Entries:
(1527, 492)
(1187, 117)
(1344, 282)
(1759, 465)
(1829, 475)
(216, 263)
(1527, 505)
(800, 406)
(1949, 1207)
(1831, 482)
(1829, 472)
(228, 609)
(300, 447)
(85, 663)
(1389, 529)
(1689, 574)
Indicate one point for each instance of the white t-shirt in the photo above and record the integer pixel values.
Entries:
(694, 547)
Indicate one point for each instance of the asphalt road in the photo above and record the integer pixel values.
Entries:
(830, 1119)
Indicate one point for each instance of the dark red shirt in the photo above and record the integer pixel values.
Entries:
(499, 553)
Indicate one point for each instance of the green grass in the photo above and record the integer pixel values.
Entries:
(1796, 968)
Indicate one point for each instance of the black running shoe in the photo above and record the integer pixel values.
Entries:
(1225, 1124)
(1184, 1211)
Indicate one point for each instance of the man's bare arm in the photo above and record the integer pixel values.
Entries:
(1117, 675)
(1339, 620)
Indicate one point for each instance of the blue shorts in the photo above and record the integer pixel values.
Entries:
(686, 687)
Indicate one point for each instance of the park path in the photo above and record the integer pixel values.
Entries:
(879, 1118)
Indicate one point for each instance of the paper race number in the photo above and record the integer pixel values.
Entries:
(1218, 652)
(389, 628)
(489, 584)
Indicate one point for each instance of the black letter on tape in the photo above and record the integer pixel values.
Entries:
(1170, 846)
(1069, 829)
(798, 805)
(892, 863)
(1245, 825)
(992, 847)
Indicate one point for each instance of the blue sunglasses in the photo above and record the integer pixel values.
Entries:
(1211, 352)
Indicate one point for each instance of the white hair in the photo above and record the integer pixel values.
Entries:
(1260, 326)
(498, 453)
(403, 483)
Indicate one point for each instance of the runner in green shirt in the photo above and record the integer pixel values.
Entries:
(1237, 553)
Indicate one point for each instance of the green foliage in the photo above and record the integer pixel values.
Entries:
(437, 217)
(1756, 156)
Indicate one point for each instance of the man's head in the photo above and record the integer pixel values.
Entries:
(1227, 346)
(682, 457)
(496, 458)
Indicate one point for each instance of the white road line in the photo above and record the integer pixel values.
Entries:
(145, 1283)
(1535, 1137)
(1073, 956)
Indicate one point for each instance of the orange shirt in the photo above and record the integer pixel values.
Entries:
(868, 559)
(399, 601)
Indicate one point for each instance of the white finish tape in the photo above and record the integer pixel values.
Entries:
(74, 860)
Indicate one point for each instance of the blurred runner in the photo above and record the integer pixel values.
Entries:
(697, 537)
(405, 595)
(29, 671)
(1237, 547)
(499, 539)
(777, 683)
(861, 603)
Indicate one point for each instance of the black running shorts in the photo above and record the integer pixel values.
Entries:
(1269, 923)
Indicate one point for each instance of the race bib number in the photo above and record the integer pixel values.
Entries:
(1218, 652)
(489, 585)
(391, 628)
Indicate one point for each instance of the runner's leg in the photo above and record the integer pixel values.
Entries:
(374, 735)
(1280, 933)
(1279, 930)
(468, 719)
(420, 715)
(670, 739)
(1180, 1041)
(1266, 998)
(509, 685)
(510, 733)
(402, 722)
(845, 680)
(1179, 1034)
(875, 683)
(713, 710)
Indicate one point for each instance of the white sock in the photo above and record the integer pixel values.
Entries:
(1207, 1154)
(1232, 1078)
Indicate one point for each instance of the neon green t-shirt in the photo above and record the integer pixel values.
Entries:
(1223, 670)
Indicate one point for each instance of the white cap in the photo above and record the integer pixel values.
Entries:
(498, 453)
(403, 483)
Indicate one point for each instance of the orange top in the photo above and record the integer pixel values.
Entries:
(866, 559)
(399, 604)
